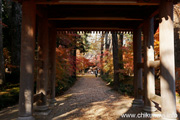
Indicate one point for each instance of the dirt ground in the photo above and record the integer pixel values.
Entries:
(89, 99)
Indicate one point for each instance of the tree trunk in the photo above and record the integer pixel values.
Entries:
(121, 52)
(15, 31)
(102, 45)
(2, 72)
(74, 59)
(115, 59)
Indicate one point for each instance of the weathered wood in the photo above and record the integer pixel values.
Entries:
(93, 29)
(115, 59)
(97, 18)
(156, 98)
(2, 69)
(121, 64)
(42, 80)
(94, 2)
(141, 92)
(149, 75)
(140, 65)
(154, 64)
(27, 60)
(39, 63)
(137, 53)
(101, 57)
(167, 67)
(52, 62)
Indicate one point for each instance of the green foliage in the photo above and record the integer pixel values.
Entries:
(108, 79)
(126, 89)
(9, 97)
(63, 85)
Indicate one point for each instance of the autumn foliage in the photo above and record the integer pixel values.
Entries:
(68, 61)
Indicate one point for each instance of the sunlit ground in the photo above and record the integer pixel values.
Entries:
(88, 99)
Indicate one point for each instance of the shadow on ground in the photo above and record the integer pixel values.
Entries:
(88, 99)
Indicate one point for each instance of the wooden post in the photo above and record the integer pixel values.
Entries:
(2, 69)
(115, 60)
(167, 78)
(137, 70)
(149, 76)
(27, 60)
(42, 81)
(121, 65)
(74, 58)
(52, 63)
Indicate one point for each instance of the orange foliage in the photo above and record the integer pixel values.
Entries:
(156, 44)
(82, 63)
(128, 58)
(63, 63)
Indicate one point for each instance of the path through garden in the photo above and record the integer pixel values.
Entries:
(89, 99)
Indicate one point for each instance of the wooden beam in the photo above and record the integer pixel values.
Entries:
(97, 18)
(154, 64)
(93, 29)
(156, 98)
(152, 15)
(140, 65)
(80, 2)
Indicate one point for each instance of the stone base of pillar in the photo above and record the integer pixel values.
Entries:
(52, 101)
(137, 103)
(41, 108)
(149, 109)
(45, 112)
(169, 118)
(26, 118)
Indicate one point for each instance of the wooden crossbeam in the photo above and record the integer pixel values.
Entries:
(98, 18)
(140, 65)
(152, 15)
(154, 64)
(105, 2)
(93, 29)
(156, 98)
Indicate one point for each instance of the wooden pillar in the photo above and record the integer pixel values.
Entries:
(115, 60)
(167, 78)
(121, 65)
(2, 69)
(42, 80)
(137, 71)
(27, 60)
(52, 63)
(149, 76)
(74, 58)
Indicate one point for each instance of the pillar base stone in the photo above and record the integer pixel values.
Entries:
(26, 118)
(149, 109)
(41, 108)
(137, 103)
(169, 118)
(52, 101)
(45, 112)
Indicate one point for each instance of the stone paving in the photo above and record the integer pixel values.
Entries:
(88, 99)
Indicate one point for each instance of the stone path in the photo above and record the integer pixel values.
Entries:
(88, 99)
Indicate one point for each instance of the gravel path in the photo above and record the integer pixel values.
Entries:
(91, 99)
(88, 99)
